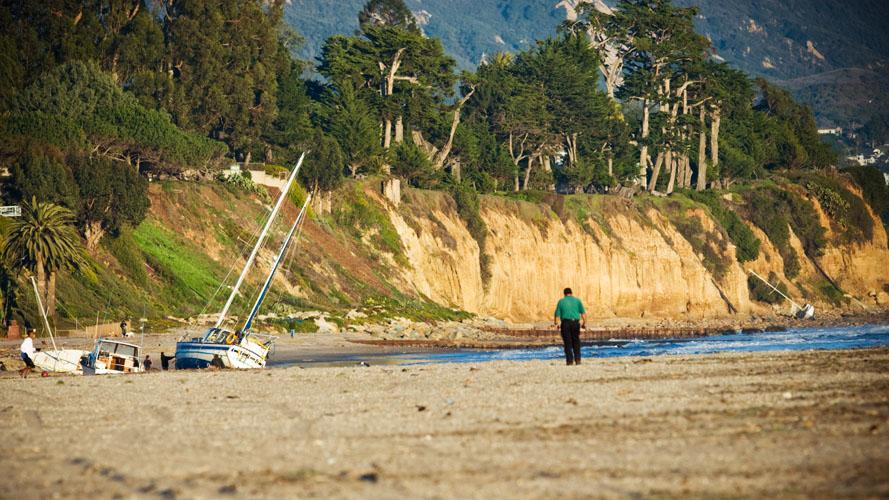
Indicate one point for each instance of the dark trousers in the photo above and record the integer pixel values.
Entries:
(571, 338)
(28, 361)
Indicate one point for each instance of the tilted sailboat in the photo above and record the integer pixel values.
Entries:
(109, 356)
(797, 311)
(242, 348)
(57, 360)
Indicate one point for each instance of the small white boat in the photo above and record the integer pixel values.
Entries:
(111, 356)
(242, 348)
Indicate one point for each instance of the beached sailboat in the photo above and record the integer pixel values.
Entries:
(242, 348)
(111, 356)
(797, 311)
(57, 360)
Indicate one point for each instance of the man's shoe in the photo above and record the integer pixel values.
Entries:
(570, 362)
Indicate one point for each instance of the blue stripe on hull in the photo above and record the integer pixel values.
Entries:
(198, 355)
(191, 363)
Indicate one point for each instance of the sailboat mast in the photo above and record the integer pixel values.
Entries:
(773, 288)
(43, 313)
(268, 280)
(259, 241)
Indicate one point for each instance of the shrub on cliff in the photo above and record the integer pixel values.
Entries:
(468, 208)
(845, 209)
(761, 292)
(775, 211)
(244, 182)
(873, 188)
(746, 242)
(357, 213)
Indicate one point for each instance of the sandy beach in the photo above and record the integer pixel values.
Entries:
(809, 424)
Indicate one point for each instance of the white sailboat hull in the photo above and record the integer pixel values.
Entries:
(199, 354)
(63, 361)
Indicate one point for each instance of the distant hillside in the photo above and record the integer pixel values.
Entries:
(789, 41)
(831, 55)
(467, 29)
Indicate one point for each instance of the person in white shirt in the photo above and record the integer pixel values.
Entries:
(27, 349)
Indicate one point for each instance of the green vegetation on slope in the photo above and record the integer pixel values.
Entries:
(189, 274)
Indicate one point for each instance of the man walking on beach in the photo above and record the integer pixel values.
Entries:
(571, 311)
(27, 349)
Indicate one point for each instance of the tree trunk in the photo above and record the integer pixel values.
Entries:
(517, 157)
(643, 154)
(687, 162)
(684, 170)
(610, 167)
(656, 171)
(93, 232)
(441, 156)
(673, 166)
(51, 295)
(714, 137)
(702, 156)
(571, 141)
(387, 86)
(399, 130)
(528, 170)
(387, 133)
(455, 171)
(41, 278)
(611, 77)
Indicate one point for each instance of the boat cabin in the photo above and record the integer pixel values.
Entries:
(112, 356)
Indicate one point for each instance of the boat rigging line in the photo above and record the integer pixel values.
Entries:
(268, 280)
(259, 242)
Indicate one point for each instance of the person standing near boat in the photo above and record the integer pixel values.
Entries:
(570, 310)
(165, 361)
(217, 362)
(123, 328)
(28, 350)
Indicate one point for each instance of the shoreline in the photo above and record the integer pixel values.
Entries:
(338, 348)
(805, 424)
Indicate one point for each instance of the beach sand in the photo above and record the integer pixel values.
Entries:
(810, 424)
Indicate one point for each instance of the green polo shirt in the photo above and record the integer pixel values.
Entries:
(569, 307)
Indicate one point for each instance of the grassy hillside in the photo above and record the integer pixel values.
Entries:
(198, 234)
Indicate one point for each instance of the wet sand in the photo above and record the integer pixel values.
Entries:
(810, 424)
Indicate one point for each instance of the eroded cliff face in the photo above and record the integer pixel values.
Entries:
(861, 269)
(621, 261)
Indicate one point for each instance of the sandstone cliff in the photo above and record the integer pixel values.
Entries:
(622, 259)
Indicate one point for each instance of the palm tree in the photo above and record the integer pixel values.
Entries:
(43, 240)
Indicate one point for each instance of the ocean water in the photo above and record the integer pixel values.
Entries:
(796, 339)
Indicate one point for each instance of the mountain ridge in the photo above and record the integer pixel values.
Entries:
(785, 42)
